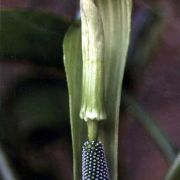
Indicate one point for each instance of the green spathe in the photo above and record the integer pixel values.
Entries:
(116, 20)
(92, 34)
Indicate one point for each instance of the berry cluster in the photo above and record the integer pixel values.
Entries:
(94, 165)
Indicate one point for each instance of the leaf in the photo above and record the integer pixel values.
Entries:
(174, 171)
(149, 124)
(116, 17)
(73, 68)
(32, 36)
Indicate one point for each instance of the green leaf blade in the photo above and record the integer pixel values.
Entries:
(174, 171)
(116, 17)
(73, 68)
(33, 36)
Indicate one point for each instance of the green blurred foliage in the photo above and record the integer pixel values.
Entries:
(31, 35)
(34, 104)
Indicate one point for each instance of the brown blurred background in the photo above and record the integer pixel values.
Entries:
(35, 131)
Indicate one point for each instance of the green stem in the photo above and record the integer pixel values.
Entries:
(157, 134)
(92, 130)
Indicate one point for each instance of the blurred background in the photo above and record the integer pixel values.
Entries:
(35, 140)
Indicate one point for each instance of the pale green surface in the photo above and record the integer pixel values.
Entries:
(73, 68)
(92, 107)
(116, 18)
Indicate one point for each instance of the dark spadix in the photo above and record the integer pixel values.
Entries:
(94, 164)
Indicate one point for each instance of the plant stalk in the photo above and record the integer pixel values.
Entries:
(156, 133)
(6, 173)
(92, 130)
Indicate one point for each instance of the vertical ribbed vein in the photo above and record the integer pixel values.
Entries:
(116, 22)
(92, 106)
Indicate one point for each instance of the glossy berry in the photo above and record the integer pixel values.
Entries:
(94, 165)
